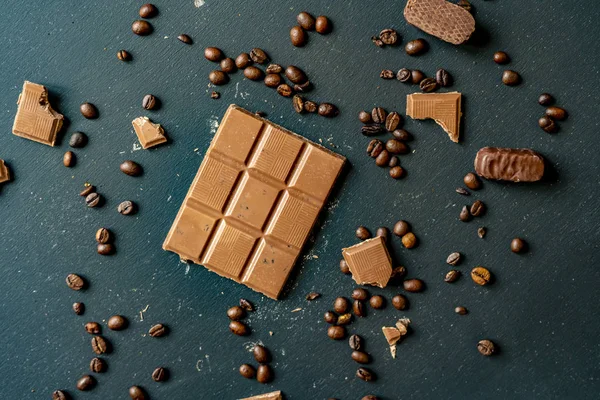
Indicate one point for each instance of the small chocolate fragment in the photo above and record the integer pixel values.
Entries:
(369, 262)
(517, 165)
(4, 172)
(149, 134)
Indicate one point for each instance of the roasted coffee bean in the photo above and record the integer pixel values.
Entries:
(486, 347)
(259, 56)
(103, 235)
(402, 135)
(148, 102)
(510, 78)
(117, 323)
(75, 282)
(377, 41)
(97, 365)
(99, 345)
(105, 249)
(274, 69)
(306, 21)
(404, 75)
(310, 106)
(344, 267)
(416, 47)
(246, 305)
(88, 110)
(518, 245)
(93, 200)
(92, 328)
(397, 172)
(78, 139)
(69, 159)
(298, 103)
(547, 124)
(273, 80)
(327, 110)
(481, 232)
(416, 76)
(131, 168)
(465, 4)
(387, 74)
(141, 28)
(501, 57)
(87, 190)
(323, 25)
(247, 371)
(401, 228)
(399, 302)
(137, 393)
(477, 208)
(295, 74)
(360, 357)
(394, 162)
(157, 330)
(303, 87)
(409, 240)
(60, 395)
(126, 208)
(214, 54)
(372, 129)
(413, 285)
(242, 61)
(78, 308)
(556, 113)
(398, 273)
(264, 374)
(219, 77)
(460, 310)
(452, 276)
(464, 215)
(481, 276)
(253, 73)
(383, 159)
(358, 308)
(389, 37)
(261, 354)
(545, 99)
(336, 332)
(370, 397)
(364, 374)
(330, 317)
(344, 319)
(360, 294)
(185, 38)
(378, 115)
(377, 302)
(462, 191)
(395, 146)
(443, 78)
(160, 374)
(454, 259)
(85, 383)
(383, 232)
(472, 181)
(355, 342)
(123, 55)
(392, 121)
(298, 36)
(236, 313)
(228, 65)
(239, 328)
(148, 11)
(341, 305)
(428, 85)
(285, 90)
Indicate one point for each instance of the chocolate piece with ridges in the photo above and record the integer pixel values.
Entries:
(149, 134)
(443, 108)
(369, 262)
(517, 165)
(267, 396)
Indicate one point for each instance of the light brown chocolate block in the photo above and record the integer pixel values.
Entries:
(4, 172)
(253, 202)
(393, 334)
(35, 119)
(441, 19)
(444, 108)
(267, 396)
(369, 262)
(148, 133)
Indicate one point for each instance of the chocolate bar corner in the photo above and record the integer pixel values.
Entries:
(369, 262)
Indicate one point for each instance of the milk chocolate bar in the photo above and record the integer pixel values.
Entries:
(4, 173)
(253, 202)
(267, 396)
(149, 134)
(444, 108)
(441, 19)
(517, 165)
(35, 119)
(369, 262)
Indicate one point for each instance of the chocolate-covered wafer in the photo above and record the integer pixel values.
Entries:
(517, 165)
(267, 396)
(440, 18)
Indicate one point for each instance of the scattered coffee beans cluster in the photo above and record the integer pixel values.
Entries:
(387, 37)
(509, 77)
(416, 77)
(307, 23)
(92, 198)
(552, 114)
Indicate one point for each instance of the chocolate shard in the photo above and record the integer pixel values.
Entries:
(443, 108)
(253, 202)
(148, 133)
(516, 165)
(4, 172)
(369, 262)
(393, 334)
(267, 396)
(440, 18)
(35, 119)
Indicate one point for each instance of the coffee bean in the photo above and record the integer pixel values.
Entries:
(330, 317)
(379, 115)
(358, 308)
(372, 129)
(370, 397)
(60, 395)
(394, 162)
(105, 249)
(218, 77)
(126, 208)
(452, 276)
(246, 305)
(464, 215)
(131, 168)
(259, 56)
(298, 36)
(295, 74)
(510, 78)
(117, 323)
(392, 121)
(545, 99)
(416, 76)
(377, 302)
(92, 328)
(323, 25)
(477, 208)
(518, 245)
(236, 313)
(404, 75)
(398, 273)
(85, 383)
(360, 357)
(99, 345)
(428, 85)
(556, 113)
(395, 146)
(160, 374)
(306, 21)
(78, 140)
(472, 181)
(274, 69)
(264, 374)
(344, 267)
(465, 4)
(93, 200)
(462, 191)
(416, 47)
(97, 365)
(75, 282)
(486, 347)
(247, 371)
(547, 124)
(360, 294)
(87, 190)
(137, 393)
(149, 102)
(341, 305)
(141, 28)
(399, 302)
(185, 38)
(148, 11)
(239, 328)
(443, 78)
(364, 374)
(103, 235)
(481, 276)
(242, 61)
(388, 37)
(401, 228)
(327, 110)
(273, 80)
(481, 232)
(157, 330)
(501, 57)
(397, 172)
(123, 55)
(413, 285)
(383, 232)
(298, 103)
(78, 308)
(344, 319)
(254, 73)
(310, 106)
(215, 54)
(261, 354)
(387, 74)
(402, 135)
(285, 90)
(460, 310)
(409, 240)
(69, 159)
(383, 159)
(355, 342)
(454, 259)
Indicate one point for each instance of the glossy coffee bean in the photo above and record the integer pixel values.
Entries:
(218, 77)
(264, 374)
(511, 78)
(148, 11)
(298, 36)
(377, 302)
(306, 21)
(399, 302)
(336, 332)
(243, 60)
(247, 371)
(137, 393)
(556, 113)
(141, 27)
(117, 323)
(239, 328)
(416, 47)
(341, 305)
(261, 354)
(236, 313)
(131, 168)
(214, 54)
(323, 25)
(501, 57)
(413, 285)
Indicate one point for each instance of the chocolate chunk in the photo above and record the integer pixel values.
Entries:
(369, 262)
(148, 133)
(443, 108)
(517, 165)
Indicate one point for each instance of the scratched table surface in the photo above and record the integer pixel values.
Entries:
(541, 310)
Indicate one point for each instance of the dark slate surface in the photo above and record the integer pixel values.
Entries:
(541, 311)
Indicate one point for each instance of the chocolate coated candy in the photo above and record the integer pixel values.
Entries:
(517, 165)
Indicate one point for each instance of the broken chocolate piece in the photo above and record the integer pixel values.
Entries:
(35, 119)
(369, 262)
(4, 172)
(444, 108)
(394, 334)
(253, 202)
(148, 133)
(267, 396)
(517, 165)
(440, 18)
